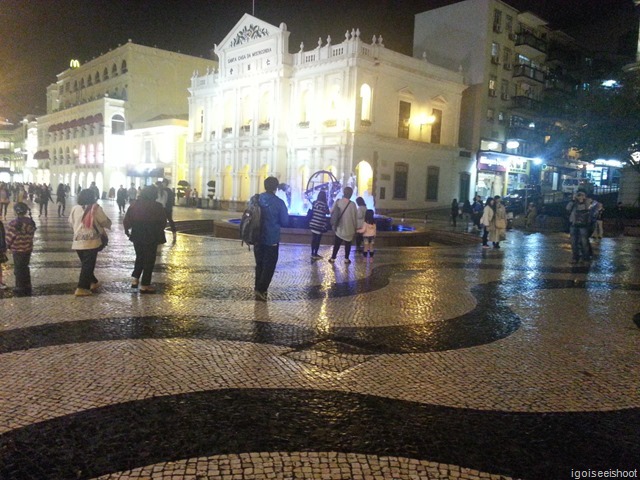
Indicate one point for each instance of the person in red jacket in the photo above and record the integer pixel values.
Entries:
(144, 224)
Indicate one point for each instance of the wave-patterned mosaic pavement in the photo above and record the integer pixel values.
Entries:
(427, 363)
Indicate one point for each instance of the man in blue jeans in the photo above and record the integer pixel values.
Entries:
(580, 218)
(274, 215)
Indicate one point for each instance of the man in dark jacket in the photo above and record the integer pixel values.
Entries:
(273, 216)
(144, 224)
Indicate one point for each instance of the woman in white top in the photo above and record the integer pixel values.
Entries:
(88, 221)
(346, 226)
(487, 216)
(498, 225)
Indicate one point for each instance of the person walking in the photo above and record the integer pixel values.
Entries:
(485, 221)
(45, 198)
(133, 193)
(455, 211)
(144, 224)
(94, 188)
(89, 222)
(498, 224)
(274, 215)
(360, 213)
(318, 222)
(5, 199)
(368, 231)
(345, 226)
(121, 199)
(61, 199)
(19, 239)
(579, 209)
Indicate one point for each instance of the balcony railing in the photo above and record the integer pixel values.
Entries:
(522, 70)
(522, 102)
(530, 45)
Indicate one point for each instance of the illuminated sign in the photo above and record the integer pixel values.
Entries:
(497, 162)
(247, 56)
(74, 63)
(610, 163)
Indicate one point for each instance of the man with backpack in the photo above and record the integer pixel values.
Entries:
(580, 220)
(273, 215)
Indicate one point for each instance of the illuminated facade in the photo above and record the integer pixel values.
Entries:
(84, 137)
(380, 121)
(18, 145)
(502, 53)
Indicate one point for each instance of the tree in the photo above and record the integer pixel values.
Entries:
(606, 122)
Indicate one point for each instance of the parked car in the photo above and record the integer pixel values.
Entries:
(570, 185)
(515, 201)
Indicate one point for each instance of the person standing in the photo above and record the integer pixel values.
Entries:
(144, 224)
(368, 231)
(498, 225)
(318, 222)
(94, 188)
(133, 193)
(361, 211)
(346, 226)
(485, 221)
(19, 239)
(88, 221)
(477, 210)
(61, 199)
(166, 197)
(121, 199)
(598, 231)
(579, 223)
(274, 215)
(455, 211)
(3, 254)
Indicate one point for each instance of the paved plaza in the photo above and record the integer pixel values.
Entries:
(422, 363)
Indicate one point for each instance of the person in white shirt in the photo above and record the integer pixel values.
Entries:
(346, 226)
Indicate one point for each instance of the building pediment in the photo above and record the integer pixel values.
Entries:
(246, 31)
(406, 92)
(439, 99)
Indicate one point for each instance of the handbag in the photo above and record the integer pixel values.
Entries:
(104, 239)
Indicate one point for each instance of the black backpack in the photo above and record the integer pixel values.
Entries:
(251, 223)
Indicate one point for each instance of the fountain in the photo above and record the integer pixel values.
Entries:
(298, 229)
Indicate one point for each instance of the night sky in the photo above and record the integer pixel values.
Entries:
(39, 37)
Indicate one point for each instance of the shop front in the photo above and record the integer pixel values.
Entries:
(500, 174)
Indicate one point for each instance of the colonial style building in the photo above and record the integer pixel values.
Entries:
(91, 108)
(18, 146)
(383, 122)
(502, 52)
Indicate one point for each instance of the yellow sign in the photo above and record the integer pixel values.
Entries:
(74, 63)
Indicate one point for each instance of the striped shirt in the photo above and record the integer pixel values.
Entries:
(19, 235)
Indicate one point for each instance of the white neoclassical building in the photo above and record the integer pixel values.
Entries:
(381, 121)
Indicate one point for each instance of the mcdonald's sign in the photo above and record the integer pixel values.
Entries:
(74, 63)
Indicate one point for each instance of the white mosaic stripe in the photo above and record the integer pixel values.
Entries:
(301, 466)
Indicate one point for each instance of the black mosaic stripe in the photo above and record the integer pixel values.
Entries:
(489, 321)
(134, 434)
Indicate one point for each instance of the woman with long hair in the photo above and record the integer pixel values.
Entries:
(318, 222)
(88, 221)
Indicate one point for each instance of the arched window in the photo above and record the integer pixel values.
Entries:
(123, 67)
(100, 153)
(75, 86)
(264, 110)
(89, 81)
(81, 83)
(365, 107)
(83, 155)
(117, 125)
(97, 77)
(105, 74)
(92, 154)
(114, 70)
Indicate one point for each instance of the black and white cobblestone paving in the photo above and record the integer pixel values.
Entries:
(426, 363)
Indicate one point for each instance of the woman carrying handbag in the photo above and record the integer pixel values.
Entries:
(89, 222)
